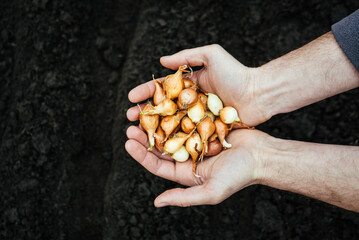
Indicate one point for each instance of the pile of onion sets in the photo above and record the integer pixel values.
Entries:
(184, 121)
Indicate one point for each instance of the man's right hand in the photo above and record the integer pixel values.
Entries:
(221, 74)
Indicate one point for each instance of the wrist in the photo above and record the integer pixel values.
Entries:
(304, 76)
(277, 90)
(267, 156)
(264, 92)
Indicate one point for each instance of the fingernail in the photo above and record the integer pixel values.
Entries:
(162, 204)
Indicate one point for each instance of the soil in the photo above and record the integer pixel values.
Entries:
(66, 68)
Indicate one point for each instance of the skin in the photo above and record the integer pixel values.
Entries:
(326, 172)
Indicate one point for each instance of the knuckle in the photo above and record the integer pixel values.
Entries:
(216, 47)
(214, 50)
(183, 204)
(215, 200)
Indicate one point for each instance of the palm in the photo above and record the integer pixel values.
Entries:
(233, 167)
(224, 174)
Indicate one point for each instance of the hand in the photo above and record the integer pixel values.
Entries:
(221, 74)
(221, 175)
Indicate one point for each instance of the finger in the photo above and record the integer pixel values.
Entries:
(166, 169)
(142, 92)
(192, 57)
(140, 136)
(192, 196)
(133, 114)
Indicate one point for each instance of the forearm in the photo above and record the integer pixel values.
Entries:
(329, 173)
(309, 74)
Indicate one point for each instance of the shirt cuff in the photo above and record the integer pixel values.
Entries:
(346, 33)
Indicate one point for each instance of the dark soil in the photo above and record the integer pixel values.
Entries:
(65, 70)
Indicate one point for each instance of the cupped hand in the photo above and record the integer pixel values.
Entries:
(222, 74)
(221, 175)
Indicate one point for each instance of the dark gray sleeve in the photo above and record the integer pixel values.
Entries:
(346, 32)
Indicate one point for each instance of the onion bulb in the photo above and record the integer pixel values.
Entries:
(149, 123)
(159, 93)
(176, 129)
(189, 84)
(203, 99)
(169, 123)
(187, 98)
(211, 115)
(214, 148)
(229, 115)
(187, 125)
(173, 83)
(214, 103)
(222, 131)
(194, 147)
(181, 155)
(173, 144)
(159, 139)
(205, 129)
(166, 108)
(196, 112)
(213, 137)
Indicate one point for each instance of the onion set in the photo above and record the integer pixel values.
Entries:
(173, 84)
(187, 98)
(194, 147)
(149, 123)
(180, 155)
(169, 123)
(197, 112)
(159, 93)
(214, 148)
(159, 139)
(214, 103)
(187, 125)
(229, 115)
(173, 144)
(205, 129)
(189, 84)
(222, 131)
(166, 108)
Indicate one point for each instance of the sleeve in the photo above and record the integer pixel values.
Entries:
(346, 33)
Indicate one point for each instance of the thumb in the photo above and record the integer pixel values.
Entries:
(192, 57)
(184, 197)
